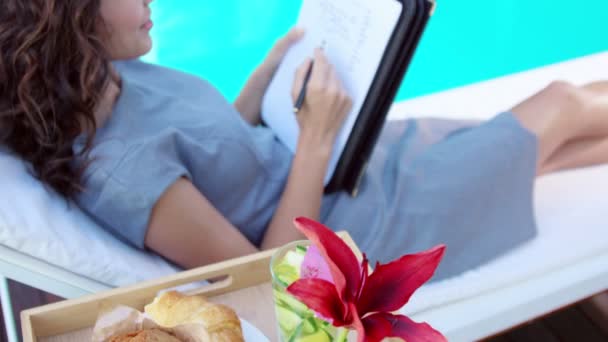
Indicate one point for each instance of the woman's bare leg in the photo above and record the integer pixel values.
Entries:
(585, 151)
(563, 114)
(576, 154)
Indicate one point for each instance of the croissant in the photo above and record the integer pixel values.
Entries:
(150, 335)
(173, 308)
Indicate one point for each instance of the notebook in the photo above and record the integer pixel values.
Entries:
(370, 43)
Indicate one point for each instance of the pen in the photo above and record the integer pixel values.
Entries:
(300, 100)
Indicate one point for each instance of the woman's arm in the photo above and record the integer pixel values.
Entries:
(185, 227)
(302, 195)
(188, 230)
(320, 119)
(249, 101)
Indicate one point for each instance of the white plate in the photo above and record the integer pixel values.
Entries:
(251, 333)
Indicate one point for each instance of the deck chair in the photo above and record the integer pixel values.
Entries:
(565, 263)
(54, 247)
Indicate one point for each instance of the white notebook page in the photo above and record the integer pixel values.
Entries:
(354, 34)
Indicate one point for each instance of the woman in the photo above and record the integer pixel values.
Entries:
(164, 162)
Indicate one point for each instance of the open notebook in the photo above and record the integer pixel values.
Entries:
(370, 44)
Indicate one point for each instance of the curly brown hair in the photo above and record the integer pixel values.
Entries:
(53, 70)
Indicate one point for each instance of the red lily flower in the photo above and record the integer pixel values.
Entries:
(362, 301)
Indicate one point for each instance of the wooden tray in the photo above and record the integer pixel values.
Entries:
(246, 288)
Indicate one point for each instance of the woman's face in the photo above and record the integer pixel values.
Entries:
(128, 25)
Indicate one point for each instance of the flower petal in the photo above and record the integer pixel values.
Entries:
(314, 266)
(391, 285)
(322, 297)
(381, 325)
(375, 329)
(356, 324)
(342, 261)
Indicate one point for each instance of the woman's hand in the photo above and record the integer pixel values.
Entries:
(249, 101)
(326, 104)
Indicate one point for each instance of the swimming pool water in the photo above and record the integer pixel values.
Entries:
(465, 42)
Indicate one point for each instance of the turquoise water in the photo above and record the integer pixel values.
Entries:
(465, 42)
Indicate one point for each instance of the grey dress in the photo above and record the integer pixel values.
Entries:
(429, 181)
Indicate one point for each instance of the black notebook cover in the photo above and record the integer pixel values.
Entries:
(399, 52)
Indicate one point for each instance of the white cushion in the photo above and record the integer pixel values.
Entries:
(38, 222)
(572, 227)
(485, 99)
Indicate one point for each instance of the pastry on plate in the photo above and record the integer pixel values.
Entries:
(147, 335)
(172, 309)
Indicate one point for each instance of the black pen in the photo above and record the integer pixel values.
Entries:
(300, 100)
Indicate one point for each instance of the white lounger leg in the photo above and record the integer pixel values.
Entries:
(7, 311)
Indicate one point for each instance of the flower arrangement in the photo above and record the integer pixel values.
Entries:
(342, 291)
